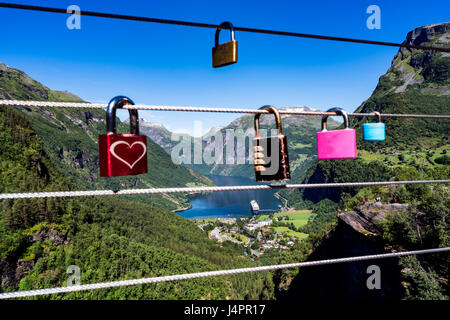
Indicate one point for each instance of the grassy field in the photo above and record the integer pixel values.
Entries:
(409, 157)
(290, 232)
(206, 220)
(239, 237)
(301, 145)
(298, 161)
(298, 217)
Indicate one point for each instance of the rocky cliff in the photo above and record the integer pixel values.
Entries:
(423, 63)
(418, 81)
(356, 234)
(364, 218)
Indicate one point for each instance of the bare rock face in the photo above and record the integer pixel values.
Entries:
(412, 65)
(52, 236)
(365, 217)
(157, 132)
(428, 33)
(92, 117)
(79, 159)
(13, 268)
(23, 268)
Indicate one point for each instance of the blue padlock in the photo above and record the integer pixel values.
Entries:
(374, 131)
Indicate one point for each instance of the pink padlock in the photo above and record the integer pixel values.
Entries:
(336, 144)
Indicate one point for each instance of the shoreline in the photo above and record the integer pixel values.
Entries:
(182, 209)
(215, 217)
(281, 198)
(246, 215)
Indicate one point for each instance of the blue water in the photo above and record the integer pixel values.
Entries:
(231, 204)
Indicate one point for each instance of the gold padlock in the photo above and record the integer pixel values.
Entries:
(226, 53)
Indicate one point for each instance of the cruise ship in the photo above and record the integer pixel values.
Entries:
(254, 207)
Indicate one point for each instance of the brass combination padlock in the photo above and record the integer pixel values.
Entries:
(271, 160)
(226, 53)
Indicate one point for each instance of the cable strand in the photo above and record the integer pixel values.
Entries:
(112, 284)
(58, 194)
(286, 111)
(215, 26)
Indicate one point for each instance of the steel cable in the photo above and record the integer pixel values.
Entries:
(112, 284)
(215, 26)
(287, 110)
(58, 194)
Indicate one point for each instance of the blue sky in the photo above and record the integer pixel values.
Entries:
(171, 65)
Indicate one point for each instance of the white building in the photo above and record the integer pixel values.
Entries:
(257, 224)
(265, 223)
(215, 234)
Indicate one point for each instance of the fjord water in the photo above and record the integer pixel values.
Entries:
(229, 204)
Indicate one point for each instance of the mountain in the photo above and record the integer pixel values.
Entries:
(108, 238)
(418, 81)
(300, 132)
(213, 131)
(406, 217)
(157, 132)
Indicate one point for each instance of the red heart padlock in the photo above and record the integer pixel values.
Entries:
(122, 154)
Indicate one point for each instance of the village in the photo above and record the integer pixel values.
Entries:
(259, 233)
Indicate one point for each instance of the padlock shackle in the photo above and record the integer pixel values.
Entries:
(273, 111)
(225, 25)
(338, 112)
(376, 113)
(113, 105)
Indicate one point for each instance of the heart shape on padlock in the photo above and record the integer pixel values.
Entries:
(115, 144)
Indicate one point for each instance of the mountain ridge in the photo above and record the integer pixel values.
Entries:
(300, 131)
